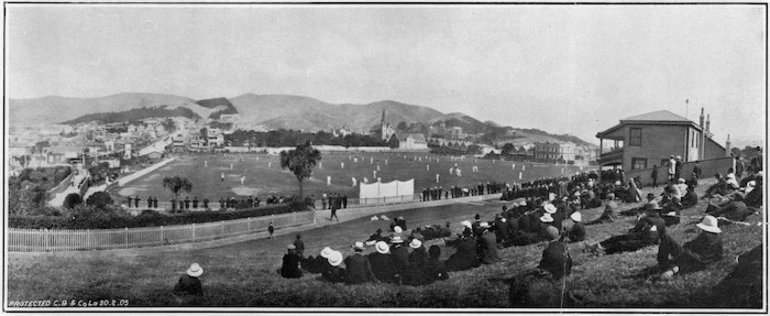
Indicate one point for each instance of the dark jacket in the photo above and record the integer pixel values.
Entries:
(733, 210)
(488, 243)
(556, 260)
(290, 267)
(466, 256)
(382, 266)
(188, 285)
(416, 274)
(644, 227)
(400, 257)
(358, 269)
(704, 249)
(436, 270)
(689, 199)
(334, 274)
(300, 247)
(577, 232)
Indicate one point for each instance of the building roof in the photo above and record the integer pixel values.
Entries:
(662, 115)
(416, 136)
(63, 149)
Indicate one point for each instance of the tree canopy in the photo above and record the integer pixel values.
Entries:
(300, 162)
(177, 184)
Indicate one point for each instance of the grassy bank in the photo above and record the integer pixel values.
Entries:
(243, 274)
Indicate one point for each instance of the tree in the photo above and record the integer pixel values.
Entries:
(509, 149)
(205, 135)
(300, 162)
(71, 200)
(401, 126)
(99, 200)
(177, 184)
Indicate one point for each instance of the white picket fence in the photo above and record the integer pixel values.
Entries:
(92, 239)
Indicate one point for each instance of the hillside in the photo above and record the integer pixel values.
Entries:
(54, 109)
(267, 112)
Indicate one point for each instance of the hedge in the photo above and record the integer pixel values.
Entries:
(98, 219)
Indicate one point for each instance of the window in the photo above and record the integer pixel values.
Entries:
(636, 137)
(638, 163)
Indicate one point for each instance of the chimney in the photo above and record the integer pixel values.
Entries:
(708, 123)
(729, 150)
(701, 117)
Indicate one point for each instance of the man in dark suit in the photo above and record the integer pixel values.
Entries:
(195, 202)
(187, 202)
(290, 268)
(556, 259)
(357, 267)
(466, 256)
(382, 263)
(400, 256)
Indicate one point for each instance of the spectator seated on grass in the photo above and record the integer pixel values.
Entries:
(291, 260)
(435, 269)
(501, 229)
(543, 286)
(640, 210)
(573, 228)
(189, 289)
(720, 188)
(400, 222)
(357, 267)
(418, 260)
(672, 211)
(382, 263)
(333, 272)
(466, 256)
(734, 210)
(436, 231)
(754, 191)
(695, 255)
(400, 256)
(646, 232)
(487, 245)
(633, 194)
(743, 286)
(610, 214)
(690, 198)
(318, 264)
(590, 200)
(376, 237)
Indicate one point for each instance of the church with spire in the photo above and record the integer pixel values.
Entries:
(386, 129)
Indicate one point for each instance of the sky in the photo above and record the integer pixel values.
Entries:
(574, 69)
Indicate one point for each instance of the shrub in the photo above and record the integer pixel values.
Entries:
(72, 200)
(99, 200)
(91, 217)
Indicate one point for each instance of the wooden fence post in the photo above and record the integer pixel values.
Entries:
(88, 239)
(162, 237)
(125, 235)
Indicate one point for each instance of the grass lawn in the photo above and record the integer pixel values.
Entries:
(243, 274)
(265, 177)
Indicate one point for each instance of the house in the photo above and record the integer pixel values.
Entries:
(555, 151)
(409, 141)
(63, 154)
(641, 141)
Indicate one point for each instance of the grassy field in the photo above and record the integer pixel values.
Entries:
(243, 274)
(265, 177)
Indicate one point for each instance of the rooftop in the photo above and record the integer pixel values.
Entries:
(662, 115)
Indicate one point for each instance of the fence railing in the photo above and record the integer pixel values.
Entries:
(92, 239)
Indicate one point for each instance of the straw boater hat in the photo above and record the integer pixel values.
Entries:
(546, 218)
(358, 245)
(195, 270)
(549, 208)
(682, 181)
(382, 247)
(396, 240)
(291, 247)
(709, 224)
(484, 225)
(552, 232)
(466, 224)
(576, 217)
(398, 229)
(335, 258)
(326, 252)
(415, 244)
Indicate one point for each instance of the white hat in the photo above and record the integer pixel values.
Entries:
(335, 258)
(398, 229)
(195, 270)
(396, 239)
(374, 218)
(682, 180)
(466, 224)
(291, 246)
(384, 218)
(577, 217)
(326, 252)
(484, 225)
(382, 247)
(358, 245)
(503, 220)
(546, 218)
(709, 224)
(416, 243)
(549, 208)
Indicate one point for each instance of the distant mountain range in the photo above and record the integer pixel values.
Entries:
(266, 112)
